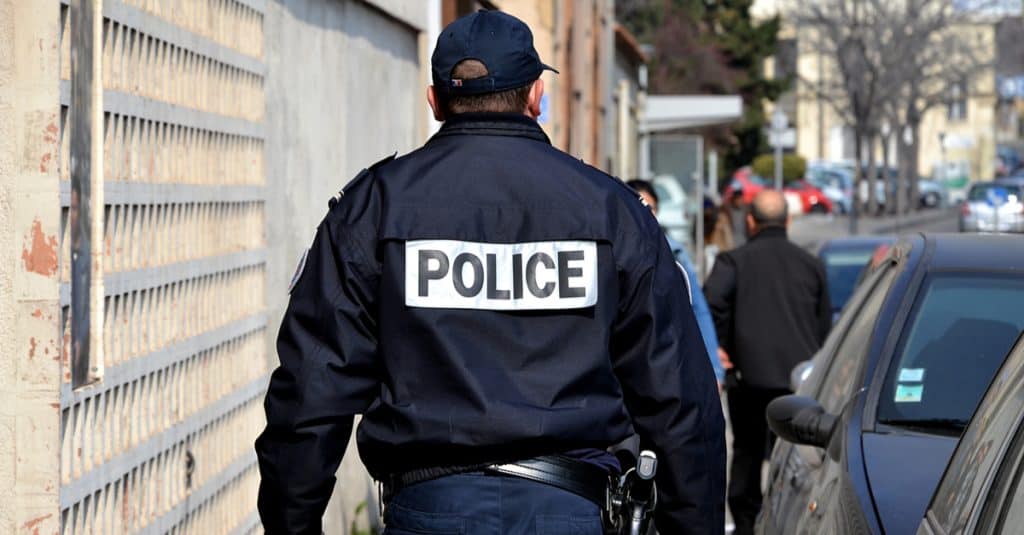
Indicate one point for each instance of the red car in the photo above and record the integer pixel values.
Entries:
(811, 198)
(746, 181)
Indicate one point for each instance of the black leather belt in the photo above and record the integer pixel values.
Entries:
(578, 477)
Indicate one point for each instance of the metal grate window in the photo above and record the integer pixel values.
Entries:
(162, 443)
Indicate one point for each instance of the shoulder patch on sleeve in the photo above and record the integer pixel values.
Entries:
(298, 270)
(359, 177)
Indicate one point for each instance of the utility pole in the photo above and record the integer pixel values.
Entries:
(778, 129)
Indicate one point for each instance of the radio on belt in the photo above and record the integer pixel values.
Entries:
(500, 276)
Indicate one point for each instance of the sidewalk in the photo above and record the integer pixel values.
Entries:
(811, 230)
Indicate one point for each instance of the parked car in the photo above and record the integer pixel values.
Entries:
(932, 194)
(845, 260)
(812, 199)
(996, 206)
(865, 440)
(982, 490)
(747, 182)
(672, 209)
(836, 180)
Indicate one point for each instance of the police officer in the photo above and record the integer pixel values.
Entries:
(500, 314)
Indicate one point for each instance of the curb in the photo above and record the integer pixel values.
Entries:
(940, 215)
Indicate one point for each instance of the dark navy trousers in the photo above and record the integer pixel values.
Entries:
(485, 504)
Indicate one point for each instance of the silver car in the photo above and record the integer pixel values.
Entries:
(994, 207)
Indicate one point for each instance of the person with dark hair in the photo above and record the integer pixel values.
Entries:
(496, 332)
(771, 309)
(700, 305)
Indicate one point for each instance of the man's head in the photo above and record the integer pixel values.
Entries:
(647, 193)
(769, 209)
(486, 62)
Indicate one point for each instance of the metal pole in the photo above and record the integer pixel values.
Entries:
(86, 166)
(778, 165)
(698, 177)
(713, 175)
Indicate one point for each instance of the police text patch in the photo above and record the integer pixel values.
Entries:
(500, 276)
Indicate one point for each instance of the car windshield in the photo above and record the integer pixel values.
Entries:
(758, 180)
(843, 268)
(1002, 192)
(962, 328)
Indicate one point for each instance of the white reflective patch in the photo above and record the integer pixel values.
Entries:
(500, 276)
(298, 270)
(686, 279)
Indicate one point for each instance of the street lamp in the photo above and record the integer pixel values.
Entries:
(779, 124)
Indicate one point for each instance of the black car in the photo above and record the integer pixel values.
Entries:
(874, 425)
(845, 260)
(982, 490)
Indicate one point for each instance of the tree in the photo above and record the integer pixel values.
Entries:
(847, 33)
(939, 50)
(711, 47)
(891, 62)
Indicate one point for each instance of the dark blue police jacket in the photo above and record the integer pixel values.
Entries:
(483, 299)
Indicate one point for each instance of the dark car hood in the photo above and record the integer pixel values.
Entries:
(903, 471)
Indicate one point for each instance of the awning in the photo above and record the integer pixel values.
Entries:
(672, 112)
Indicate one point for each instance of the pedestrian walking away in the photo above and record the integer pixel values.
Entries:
(500, 314)
(771, 310)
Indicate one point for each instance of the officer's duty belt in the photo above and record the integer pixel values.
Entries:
(578, 477)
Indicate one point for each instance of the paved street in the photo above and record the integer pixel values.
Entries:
(812, 230)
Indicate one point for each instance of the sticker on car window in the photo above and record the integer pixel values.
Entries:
(909, 393)
(911, 375)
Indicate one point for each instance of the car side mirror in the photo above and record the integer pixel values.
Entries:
(800, 374)
(800, 420)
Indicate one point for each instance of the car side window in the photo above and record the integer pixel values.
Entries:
(841, 380)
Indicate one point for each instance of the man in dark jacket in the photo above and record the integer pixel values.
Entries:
(499, 313)
(771, 309)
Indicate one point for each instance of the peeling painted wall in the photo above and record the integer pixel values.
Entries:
(29, 225)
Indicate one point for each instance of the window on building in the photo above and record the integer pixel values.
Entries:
(958, 101)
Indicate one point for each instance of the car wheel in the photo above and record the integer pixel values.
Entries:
(819, 208)
(930, 200)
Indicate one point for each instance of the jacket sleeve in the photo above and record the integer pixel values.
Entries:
(720, 292)
(670, 393)
(702, 314)
(328, 373)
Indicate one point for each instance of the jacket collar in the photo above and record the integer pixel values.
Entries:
(772, 232)
(492, 124)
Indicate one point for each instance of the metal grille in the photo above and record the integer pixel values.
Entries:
(163, 442)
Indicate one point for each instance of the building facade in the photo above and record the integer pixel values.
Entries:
(958, 137)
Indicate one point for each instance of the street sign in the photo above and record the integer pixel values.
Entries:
(779, 128)
(785, 139)
(997, 196)
(1011, 86)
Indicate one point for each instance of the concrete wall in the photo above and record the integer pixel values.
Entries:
(357, 99)
(29, 225)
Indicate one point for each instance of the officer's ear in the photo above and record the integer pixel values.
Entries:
(435, 104)
(533, 101)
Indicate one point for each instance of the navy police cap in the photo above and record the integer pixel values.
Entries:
(503, 43)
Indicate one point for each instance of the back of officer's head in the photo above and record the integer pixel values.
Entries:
(769, 209)
(486, 62)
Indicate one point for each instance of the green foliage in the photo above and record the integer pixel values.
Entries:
(794, 166)
(711, 47)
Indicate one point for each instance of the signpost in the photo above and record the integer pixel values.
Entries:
(996, 197)
(776, 137)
